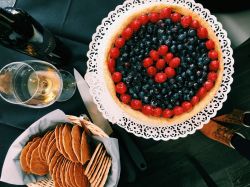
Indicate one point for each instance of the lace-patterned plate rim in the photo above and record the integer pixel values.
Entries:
(115, 115)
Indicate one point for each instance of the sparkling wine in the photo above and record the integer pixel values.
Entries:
(20, 31)
(44, 86)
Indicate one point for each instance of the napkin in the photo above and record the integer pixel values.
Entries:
(12, 172)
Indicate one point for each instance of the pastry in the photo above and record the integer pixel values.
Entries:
(163, 63)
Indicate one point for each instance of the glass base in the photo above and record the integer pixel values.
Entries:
(69, 86)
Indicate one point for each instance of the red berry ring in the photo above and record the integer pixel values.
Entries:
(170, 51)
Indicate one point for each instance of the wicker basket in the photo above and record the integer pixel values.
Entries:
(92, 129)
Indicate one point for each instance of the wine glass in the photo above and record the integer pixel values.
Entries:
(7, 3)
(35, 84)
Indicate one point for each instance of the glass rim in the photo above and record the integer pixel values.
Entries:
(22, 64)
(26, 62)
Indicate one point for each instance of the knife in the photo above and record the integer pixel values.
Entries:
(101, 122)
(94, 113)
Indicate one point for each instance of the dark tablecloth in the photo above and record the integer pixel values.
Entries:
(74, 21)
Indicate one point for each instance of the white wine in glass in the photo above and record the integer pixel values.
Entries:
(35, 84)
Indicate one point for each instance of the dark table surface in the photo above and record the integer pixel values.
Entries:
(193, 161)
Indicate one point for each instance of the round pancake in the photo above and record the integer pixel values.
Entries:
(71, 173)
(24, 165)
(54, 160)
(85, 151)
(51, 153)
(57, 170)
(50, 144)
(67, 143)
(43, 145)
(78, 174)
(62, 172)
(76, 141)
(34, 145)
(57, 137)
(61, 142)
(40, 144)
(37, 165)
(67, 173)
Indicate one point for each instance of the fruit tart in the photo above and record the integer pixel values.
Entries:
(163, 64)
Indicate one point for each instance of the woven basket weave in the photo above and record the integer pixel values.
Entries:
(89, 127)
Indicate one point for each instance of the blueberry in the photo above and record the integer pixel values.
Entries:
(192, 66)
(141, 94)
(175, 86)
(189, 72)
(200, 80)
(168, 42)
(119, 68)
(184, 64)
(191, 32)
(194, 54)
(179, 79)
(192, 78)
(172, 101)
(174, 42)
(145, 87)
(174, 30)
(198, 73)
(177, 103)
(190, 47)
(205, 68)
(191, 93)
(183, 52)
(158, 96)
(168, 21)
(160, 32)
(151, 92)
(172, 81)
(183, 74)
(179, 47)
(153, 102)
(135, 96)
(156, 90)
(164, 37)
(136, 50)
(206, 60)
(159, 86)
(190, 84)
(202, 45)
(181, 37)
(204, 74)
(164, 91)
(200, 64)
(136, 89)
(165, 84)
(145, 100)
(173, 49)
(148, 43)
(176, 96)
(191, 41)
(196, 86)
(170, 106)
(131, 91)
(162, 105)
(149, 29)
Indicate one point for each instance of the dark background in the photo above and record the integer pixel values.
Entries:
(193, 161)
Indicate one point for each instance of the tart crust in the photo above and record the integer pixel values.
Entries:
(138, 115)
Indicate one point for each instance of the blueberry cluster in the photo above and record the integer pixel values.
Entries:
(183, 43)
